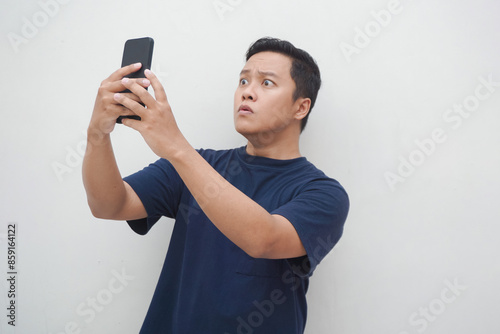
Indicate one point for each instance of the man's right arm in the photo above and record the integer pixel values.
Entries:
(108, 196)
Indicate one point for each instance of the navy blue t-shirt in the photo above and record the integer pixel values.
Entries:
(208, 284)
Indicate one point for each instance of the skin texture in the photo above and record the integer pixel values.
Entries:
(269, 120)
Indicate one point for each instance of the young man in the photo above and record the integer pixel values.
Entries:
(252, 223)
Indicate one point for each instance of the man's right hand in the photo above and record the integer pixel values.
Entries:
(106, 109)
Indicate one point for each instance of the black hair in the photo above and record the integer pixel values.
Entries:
(304, 70)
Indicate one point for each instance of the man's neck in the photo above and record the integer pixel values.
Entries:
(277, 149)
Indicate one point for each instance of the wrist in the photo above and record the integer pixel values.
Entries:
(97, 137)
(181, 153)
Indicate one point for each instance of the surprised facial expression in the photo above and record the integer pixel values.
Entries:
(263, 101)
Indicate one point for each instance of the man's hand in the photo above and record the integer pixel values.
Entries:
(157, 125)
(106, 108)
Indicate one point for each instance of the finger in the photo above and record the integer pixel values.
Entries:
(160, 94)
(138, 90)
(130, 104)
(142, 82)
(117, 86)
(119, 110)
(132, 96)
(125, 70)
(132, 123)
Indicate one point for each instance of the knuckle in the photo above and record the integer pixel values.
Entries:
(104, 84)
(103, 88)
(106, 99)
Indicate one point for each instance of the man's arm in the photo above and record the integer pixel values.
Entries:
(108, 196)
(237, 216)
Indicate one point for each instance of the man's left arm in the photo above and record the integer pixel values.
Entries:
(242, 220)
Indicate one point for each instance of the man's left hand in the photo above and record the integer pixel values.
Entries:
(157, 125)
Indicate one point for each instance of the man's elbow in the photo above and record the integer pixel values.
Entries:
(261, 250)
(98, 213)
(256, 253)
(101, 212)
(277, 247)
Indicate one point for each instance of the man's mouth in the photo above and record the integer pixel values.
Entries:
(244, 109)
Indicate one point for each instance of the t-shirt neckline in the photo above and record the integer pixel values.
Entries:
(255, 160)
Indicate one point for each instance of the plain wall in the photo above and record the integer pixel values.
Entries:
(406, 120)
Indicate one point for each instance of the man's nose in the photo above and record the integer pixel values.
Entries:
(248, 93)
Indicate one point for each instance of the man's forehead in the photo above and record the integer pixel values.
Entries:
(268, 62)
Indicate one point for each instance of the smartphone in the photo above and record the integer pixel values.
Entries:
(138, 50)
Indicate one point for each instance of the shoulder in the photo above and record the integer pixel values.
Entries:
(314, 178)
(317, 186)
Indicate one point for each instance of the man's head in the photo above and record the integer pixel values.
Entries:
(304, 70)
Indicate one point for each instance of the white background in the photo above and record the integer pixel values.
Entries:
(403, 245)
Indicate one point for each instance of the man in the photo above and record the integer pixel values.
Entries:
(251, 223)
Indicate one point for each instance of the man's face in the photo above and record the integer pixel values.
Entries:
(263, 101)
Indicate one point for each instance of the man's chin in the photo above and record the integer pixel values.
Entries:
(248, 136)
(244, 130)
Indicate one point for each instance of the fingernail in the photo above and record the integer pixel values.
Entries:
(147, 71)
(137, 65)
(124, 80)
(117, 96)
(145, 82)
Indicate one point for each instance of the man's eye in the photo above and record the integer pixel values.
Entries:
(268, 83)
(243, 81)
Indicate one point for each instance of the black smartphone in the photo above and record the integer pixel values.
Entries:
(138, 50)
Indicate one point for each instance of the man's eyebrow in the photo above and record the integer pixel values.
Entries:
(261, 73)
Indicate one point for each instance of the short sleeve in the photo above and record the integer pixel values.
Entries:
(318, 214)
(159, 188)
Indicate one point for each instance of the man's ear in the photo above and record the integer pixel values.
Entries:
(303, 105)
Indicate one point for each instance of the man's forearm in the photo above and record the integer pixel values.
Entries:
(236, 215)
(101, 177)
